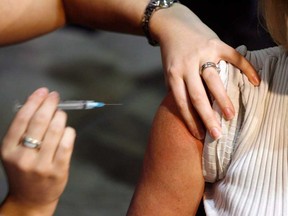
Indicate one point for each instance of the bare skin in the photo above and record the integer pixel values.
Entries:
(37, 177)
(171, 181)
(182, 58)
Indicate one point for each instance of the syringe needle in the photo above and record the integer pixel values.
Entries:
(112, 104)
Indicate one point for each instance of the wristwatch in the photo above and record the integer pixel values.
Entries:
(153, 6)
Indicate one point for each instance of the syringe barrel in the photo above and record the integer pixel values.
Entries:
(72, 105)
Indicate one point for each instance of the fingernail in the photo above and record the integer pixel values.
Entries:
(54, 94)
(256, 80)
(229, 114)
(199, 135)
(215, 133)
(41, 91)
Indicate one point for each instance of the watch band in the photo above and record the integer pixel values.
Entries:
(153, 6)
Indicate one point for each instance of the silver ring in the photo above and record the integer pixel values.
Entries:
(31, 143)
(209, 64)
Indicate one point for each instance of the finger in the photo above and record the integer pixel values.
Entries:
(239, 61)
(65, 148)
(216, 87)
(23, 117)
(53, 136)
(202, 104)
(184, 106)
(41, 119)
(196, 123)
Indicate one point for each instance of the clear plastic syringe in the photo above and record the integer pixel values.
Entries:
(76, 105)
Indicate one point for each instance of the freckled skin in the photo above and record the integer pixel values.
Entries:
(171, 181)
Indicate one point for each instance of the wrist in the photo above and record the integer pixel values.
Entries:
(175, 21)
(12, 207)
(153, 7)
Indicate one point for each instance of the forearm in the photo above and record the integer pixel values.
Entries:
(26, 19)
(126, 16)
(113, 15)
(11, 207)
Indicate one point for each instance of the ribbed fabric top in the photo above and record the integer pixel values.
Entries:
(250, 162)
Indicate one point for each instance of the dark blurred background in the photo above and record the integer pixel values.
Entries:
(102, 66)
(115, 68)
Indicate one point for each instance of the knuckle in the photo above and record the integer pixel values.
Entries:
(197, 99)
(214, 43)
(40, 118)
(58, 122)
(65, 148)
(5, 155)
(22, 117)
(55, 129)
(209, 78)
(72, 131)
(210, 120)
(224, 102)
(182, 105)
(173, 71)
(21, 165)
(9, 158)
(43, 171)
(61, 175)
(62, 114)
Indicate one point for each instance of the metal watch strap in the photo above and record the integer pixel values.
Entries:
(153, 6)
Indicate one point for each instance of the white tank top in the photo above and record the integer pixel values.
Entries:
(248, 167)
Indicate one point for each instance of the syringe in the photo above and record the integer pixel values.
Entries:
(77, 105)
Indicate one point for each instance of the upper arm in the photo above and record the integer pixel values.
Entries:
(171, 181)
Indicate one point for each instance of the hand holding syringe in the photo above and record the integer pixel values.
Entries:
(77, 105)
